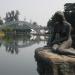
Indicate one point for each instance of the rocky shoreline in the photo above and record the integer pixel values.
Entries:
(51, 63)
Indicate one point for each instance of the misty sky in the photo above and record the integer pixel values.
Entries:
(36, 10)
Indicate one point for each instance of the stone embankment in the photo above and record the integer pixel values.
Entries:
(52, 63)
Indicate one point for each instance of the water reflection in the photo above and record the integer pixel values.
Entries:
(13, 43)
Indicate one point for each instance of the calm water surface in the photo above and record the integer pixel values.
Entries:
(17, 54)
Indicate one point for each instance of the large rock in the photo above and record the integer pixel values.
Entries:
(50, 63)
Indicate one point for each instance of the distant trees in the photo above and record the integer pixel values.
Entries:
(49, 25)
(12, 16)
(34, 23)
(1, 21)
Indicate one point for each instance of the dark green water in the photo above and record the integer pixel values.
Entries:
(17, 54)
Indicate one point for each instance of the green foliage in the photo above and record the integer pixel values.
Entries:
(1, 22)
(12, 16)
(69, 12)
(8, 39)
(7, 29)
(69, 7)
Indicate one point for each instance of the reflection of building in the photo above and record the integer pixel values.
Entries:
(14, 43)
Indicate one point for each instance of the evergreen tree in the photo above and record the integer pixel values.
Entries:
(1, 21)
(69, 11)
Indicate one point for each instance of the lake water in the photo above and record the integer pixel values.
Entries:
(17, 54)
